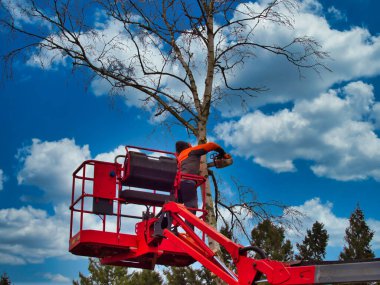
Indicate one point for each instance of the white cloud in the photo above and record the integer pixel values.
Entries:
(58, 278)
(283, 80)
(331, 130)
(337, 14)
(155, 58)
(2, 179)
(21, 12)
(47, 59)
(360, 97)
(49, 166)
(110, 156)
(11, 259)
(30, 235)
(315, 210)
(374, 225)
(108, 46)
(376, 115)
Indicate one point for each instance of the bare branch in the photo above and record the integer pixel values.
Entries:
(247, 209)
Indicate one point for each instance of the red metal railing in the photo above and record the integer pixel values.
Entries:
(83, 177)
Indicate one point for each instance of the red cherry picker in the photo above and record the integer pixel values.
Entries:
(108, 197)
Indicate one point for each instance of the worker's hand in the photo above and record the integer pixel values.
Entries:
(226, 156)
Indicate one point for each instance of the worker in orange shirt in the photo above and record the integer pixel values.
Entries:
(190, 159)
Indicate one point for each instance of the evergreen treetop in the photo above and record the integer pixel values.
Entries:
(314, 244)
(358, 238)
(271, 239)
(5, 279)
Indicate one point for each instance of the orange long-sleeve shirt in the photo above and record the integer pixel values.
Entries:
(190, 158)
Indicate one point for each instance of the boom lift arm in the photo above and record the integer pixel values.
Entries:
(250, 269)
(156, 240)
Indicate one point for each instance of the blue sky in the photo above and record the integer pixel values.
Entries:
(311, 143)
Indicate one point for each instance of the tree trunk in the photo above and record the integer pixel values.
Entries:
(210, 218)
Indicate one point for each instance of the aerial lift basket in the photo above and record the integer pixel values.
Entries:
(104, 194)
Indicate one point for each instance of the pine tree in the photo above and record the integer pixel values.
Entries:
(206, 277)
(5, 279)
(358, 238)
(103, 274)
(145, 277)
(314, 245)
(182, 276)
(271, 239)
(226, 257)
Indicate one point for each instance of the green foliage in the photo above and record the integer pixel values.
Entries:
(207, 277)
(103, 275)
(358, 238)
(189, 276)
(314, 245)
(271, 239)
(182, 276)
(226, 257)
(145, 277)
(5, 279)
(115, 275)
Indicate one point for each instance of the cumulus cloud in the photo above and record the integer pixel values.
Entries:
(313, 210)
(57, 278)
(376, 115)
(374, 225)
(21, 12)
(316, 210)
(108, 46)
(336, 14)
(155, 58)
(110, 156)
(30, 235)
(47, 59)
(11, 259)
(283, 79)
(332, 131)
(49, 166)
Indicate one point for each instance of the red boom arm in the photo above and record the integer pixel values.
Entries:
(250, 269)
(155, 240)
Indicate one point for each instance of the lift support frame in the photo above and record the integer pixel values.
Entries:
(156, 240)
(249, 269)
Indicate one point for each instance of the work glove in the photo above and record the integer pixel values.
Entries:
(223, 156)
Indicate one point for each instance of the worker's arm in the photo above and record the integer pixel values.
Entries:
(203, 149)
(210, 146)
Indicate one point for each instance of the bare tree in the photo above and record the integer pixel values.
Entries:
(177, 56)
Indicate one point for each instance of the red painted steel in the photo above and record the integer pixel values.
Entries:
(143, 249)
(104, 183)
(247, 268)
(92, 180)
(100, 243)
